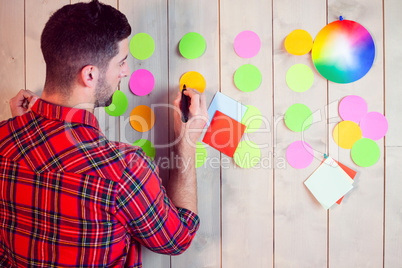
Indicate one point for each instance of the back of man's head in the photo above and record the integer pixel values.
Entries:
(79, 35)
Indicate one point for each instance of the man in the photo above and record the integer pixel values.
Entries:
(70, 197)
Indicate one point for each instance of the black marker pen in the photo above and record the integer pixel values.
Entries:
(184, 105)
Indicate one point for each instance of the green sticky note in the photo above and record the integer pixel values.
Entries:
(247, 78)
(365, 152)
(147, 147)
(247, 154)
(252, 119)
(299, 77)
(142, 46)
(200, 155)
(192, 45)
(119, 104)
(298, 117)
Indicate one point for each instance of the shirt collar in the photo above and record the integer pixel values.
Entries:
(62, 113)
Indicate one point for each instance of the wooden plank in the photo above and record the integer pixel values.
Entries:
(247, 194)
(37, 14)
(201, 17)
(393, 209)
(149, 17)
(356, 226)
(393, 185)
(393, 62)
(12, 53)
(300, 221)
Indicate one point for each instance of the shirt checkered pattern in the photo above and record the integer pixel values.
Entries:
(69, 197)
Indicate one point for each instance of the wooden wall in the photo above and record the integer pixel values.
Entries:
(260, 217)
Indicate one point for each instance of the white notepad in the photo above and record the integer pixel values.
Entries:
(329, 183)
(226, 105)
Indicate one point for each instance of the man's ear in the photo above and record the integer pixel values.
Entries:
(89, 76)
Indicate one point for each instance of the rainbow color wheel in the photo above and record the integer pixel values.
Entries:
(343, 51)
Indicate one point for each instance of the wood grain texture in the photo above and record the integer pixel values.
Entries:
(149, 17)
(300, 221)
(356, 226)
(247, 194)
(12, 53)
(202, 17)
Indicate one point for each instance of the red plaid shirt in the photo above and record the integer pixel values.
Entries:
(70, 197)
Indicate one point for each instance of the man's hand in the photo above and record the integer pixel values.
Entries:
(22, 102)
(189, 133)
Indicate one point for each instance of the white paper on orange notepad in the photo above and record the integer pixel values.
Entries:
(328, 183)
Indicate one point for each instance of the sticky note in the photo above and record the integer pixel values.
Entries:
(328, 183)
(247, 154)
(224, 133)
(365, 152)
(142, 46)
(141, 82)
(352, 108)
(298, 117)
(192, 45)
(247, 44)
(226, 105)
(142, 118)
(374, 126)
(247, 78)
(299, 154)
(252, 119)
(298, 42)
(193, 80)
(346, 133)
(351, 173)
(147, 147)
(200, 155)
(299, 77)
(119, 104)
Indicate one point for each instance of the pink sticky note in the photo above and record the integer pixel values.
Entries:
(247, 44)
(299, 154)
(142, 82)
(374, 126)
(352, 108)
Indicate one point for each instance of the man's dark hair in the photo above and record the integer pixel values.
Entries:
(79, 35)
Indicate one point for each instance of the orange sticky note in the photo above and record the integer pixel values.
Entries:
(224, 133)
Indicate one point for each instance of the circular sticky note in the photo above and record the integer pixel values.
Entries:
(147, 147)
(247, 44)
(299, 77)
(374, 126)
(299, 154)
(200, 155)
(142, 118)
(142, 46)
(252, 119)
(247, 154)
(365, 152)
(298, 117)
(247, 78)
(142, 82)
(193, 80)
(119, 104)
(192, 45)
(343, 51)
(352, 108)
(346, 133)
(298, 42)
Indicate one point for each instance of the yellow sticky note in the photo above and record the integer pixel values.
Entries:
(299, 42)
(346, 133)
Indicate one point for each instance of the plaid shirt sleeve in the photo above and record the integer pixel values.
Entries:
(148, 214)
